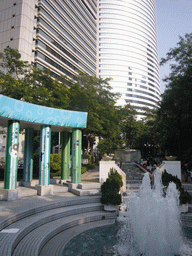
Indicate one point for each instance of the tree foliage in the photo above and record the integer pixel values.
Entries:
(87, 93)
(129, 125)
(176, 105)
(22, 81)
(93, 95)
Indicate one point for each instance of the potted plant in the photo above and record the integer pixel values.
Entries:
(110, 191)
(184, 197)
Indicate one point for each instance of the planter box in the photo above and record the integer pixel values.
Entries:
(110, 208)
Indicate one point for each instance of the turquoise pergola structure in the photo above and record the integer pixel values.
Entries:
(17, 115)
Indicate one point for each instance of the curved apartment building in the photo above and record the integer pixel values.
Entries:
(127, 51)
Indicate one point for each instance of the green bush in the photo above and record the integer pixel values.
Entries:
(91, 159)
(55, 165)
(55, 162)
(114, 175)
(110, 189)
(184, 197)
(167, 178)
(83, 169)
(91, 166)
(109, 198)
(110, 185)
(55, 174)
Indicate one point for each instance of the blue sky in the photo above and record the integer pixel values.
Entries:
(174, 18)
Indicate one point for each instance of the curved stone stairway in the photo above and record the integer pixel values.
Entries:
(35, 231)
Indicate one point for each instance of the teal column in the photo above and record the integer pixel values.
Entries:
(28, 156)
(45, 148)
(65, 155)
(12, 155)
(76, 155)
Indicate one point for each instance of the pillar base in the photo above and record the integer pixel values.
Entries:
(9, 194)
(44, 190)
(54, 181)
(72, 186)
(28, 184)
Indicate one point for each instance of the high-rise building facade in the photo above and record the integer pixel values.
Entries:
(59, 34)
(128, 52)
(64, 36)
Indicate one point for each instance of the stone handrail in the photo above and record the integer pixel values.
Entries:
(144, 169)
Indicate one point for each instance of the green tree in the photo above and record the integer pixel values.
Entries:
(12, 71)
(20, 80)
(129, 127)
(176, 105)
(87, 93)
(93, 95)
(45, 90)
(12, 64)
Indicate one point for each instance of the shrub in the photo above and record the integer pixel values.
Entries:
(111, 198)
(83, 169)
(185, 197)
(90, 166)
(55, 162)
(55, 165)
(110, 189)
(114, 175)
(91, 159)
(55, 174)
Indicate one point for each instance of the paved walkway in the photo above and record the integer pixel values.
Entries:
(29, 198)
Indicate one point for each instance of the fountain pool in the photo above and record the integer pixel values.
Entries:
(150, 227)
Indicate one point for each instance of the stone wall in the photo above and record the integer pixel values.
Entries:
(128, 155)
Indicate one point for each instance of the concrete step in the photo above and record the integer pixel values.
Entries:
(133, 186)
(34, 210)
(89, 186)
(134, 181)
(33, 242)
(56, 245)
(190, 207)
(27, 225)
(81, 190)
(186, 217)
(187, 186)
(18, 226)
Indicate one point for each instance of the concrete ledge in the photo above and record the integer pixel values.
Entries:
(44, 190)
(54, 181)
(9, 194)
(89, 186)
(28, 184)
(55, 246)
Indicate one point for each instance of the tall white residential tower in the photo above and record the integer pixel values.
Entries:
(127, 50)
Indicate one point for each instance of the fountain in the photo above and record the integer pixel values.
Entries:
(151, 224)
